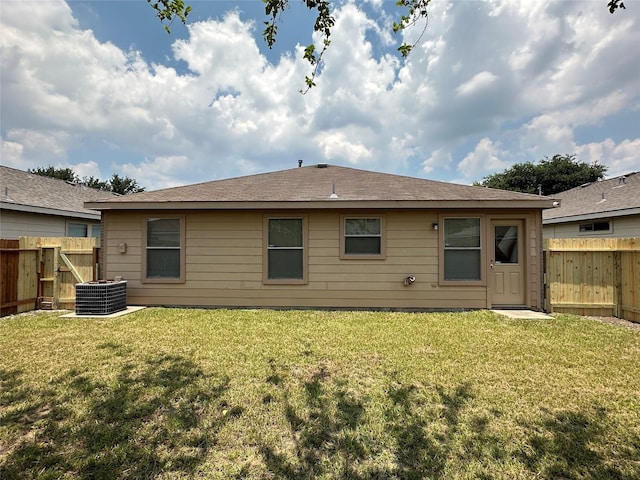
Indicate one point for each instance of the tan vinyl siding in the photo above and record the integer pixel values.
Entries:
(224, 264)
(535, 269)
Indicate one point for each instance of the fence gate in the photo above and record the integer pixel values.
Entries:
(593, 276)
(41, 272)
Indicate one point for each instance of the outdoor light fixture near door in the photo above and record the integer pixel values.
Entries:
(434, 226)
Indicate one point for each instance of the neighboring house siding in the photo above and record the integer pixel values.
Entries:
(621, 227)
(224, 263)
(19, 224)
(16, 224)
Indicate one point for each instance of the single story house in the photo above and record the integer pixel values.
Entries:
(35, 206)
(326, 236)
(607, 208)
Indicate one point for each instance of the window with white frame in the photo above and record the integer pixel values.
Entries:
(462, 249)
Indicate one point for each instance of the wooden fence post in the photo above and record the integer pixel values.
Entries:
(617, 285)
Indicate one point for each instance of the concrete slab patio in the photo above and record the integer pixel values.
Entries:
(111, 315)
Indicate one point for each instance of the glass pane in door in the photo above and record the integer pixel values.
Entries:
(506, 243)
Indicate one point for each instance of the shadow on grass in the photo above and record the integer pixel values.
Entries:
(331, 436)
(424, 428)
(422, 432)
(157, 415)
(561, 445)
(322, 427)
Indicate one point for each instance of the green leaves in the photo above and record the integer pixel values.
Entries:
(168, 10)
(549, 176)
(405, 49)
(323, 24)
(416, 10)
(273, 9)
(117, 184)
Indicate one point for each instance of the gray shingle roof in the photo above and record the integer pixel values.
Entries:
(616, 196)
(30, 192)
(317, 184)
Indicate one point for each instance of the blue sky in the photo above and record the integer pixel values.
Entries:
(99, 86)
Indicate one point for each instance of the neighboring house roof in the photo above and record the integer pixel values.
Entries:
(613, 197)
(28, 192)
(324, 186)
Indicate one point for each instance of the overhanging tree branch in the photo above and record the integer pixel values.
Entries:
(416, 10)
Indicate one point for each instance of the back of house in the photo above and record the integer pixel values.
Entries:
(325, 236)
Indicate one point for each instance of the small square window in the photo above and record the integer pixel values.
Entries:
(362, 237)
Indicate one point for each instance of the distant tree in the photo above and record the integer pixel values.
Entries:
(549, 176)
(117, 184)
(168, 10)
(66, 174)
(96, 183)
(124, 185)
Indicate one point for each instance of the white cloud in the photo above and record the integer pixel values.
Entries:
(486, 158)
(515, 79)
(438, 160)
(477, 84)
(336, 145)
(621, 158)
(37, 147)
(87, 169)
(162, 172)
(12, 154)
(546, 135)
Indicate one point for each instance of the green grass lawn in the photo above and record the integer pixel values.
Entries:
(175, 393)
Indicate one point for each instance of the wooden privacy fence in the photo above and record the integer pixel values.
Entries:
(41, 272)
(593, 276)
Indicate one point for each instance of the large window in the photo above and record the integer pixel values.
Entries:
(362, 237)
(285, 256)
(164, 249)
(462, 249)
